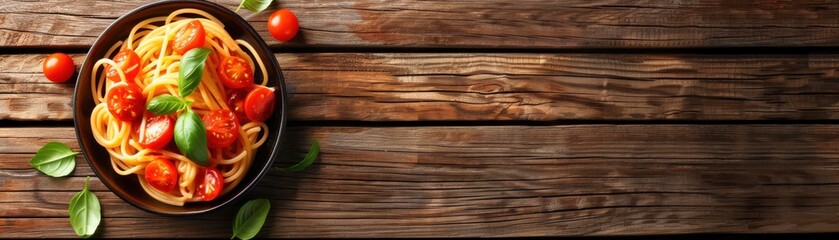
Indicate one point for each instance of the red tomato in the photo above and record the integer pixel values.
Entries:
(59, 67)
(222, 128)
(236, 102)
(235, 72)
(259, 104)
(128, 61)
(283, 25)
(189, 37)
(161, 174)
(125, 101)
(210, 183)
(158, 131)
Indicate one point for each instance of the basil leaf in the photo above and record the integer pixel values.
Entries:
(250, 218)
(254, 5)
(85, 212)
(54, 159)
(306, 162)
(191, 69)
(165, 104)
(191, 138)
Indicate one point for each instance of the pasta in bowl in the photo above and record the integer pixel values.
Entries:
(179, 107)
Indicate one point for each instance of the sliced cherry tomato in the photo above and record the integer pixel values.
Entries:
(259, 104)
(235, 72)
(59, 67)
(161, 174)
(222, 128)
(210, 183)
(129, 62)
(125, 101)
(158, 131)
(236, 102)
(283, 25)
(189, 37)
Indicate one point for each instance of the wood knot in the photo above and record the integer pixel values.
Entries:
(486, 88)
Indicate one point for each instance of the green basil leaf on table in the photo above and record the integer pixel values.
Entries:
(166, 104)
(54, 159)
(191, 69)
(85, 212)
(191, 138)
(250, 218)
(254, 5)
(306, 162)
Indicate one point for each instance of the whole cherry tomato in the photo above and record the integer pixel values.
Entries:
(59, 67)
(283, 25)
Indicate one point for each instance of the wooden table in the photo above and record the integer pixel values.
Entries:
(485, 118)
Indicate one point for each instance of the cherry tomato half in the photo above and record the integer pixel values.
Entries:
(222, 128)
(283, 25)
(236, 102)
(59, 67)
(158, 131)
(210, 183)
(189, 37)
(129, 62)
(161, 174)
(125, 101)
(235, 72)
(259, 104)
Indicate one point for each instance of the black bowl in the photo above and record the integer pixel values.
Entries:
(127, 187)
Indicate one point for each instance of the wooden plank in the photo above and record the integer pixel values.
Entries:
(497, 181)
(530, 87)
(463, 23)
(122, 227)
(25, 94)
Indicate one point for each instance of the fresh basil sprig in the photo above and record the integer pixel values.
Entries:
(54, 159)
(85, 212)
(250, 218)
(191, 69)
(166, 104)
(191, 137)
(254, 5)
(306, 162)
(190, 134)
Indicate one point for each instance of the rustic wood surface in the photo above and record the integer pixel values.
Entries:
(509, 86)
(471, 181)
(481, 23)
(485, 118)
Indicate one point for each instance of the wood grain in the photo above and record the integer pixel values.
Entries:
(25, 94)
(513, 86)
(491, 181)
(467, 23)
(487, 62)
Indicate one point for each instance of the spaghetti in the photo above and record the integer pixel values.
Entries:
(155, 43)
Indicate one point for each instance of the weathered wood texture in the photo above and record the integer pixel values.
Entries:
(378, 180)
(479, 86)
(467, 23)
(488, 181)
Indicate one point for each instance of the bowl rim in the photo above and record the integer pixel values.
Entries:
(283, 113)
